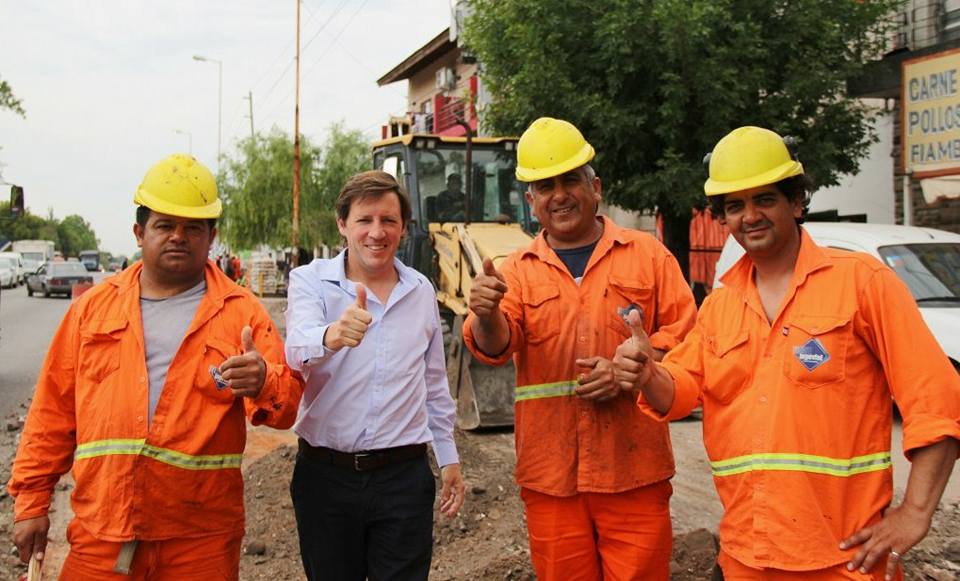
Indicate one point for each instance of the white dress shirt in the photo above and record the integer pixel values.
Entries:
(391, 389)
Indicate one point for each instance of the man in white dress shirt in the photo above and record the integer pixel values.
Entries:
(364, 330)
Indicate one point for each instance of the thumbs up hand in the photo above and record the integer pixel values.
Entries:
(245, 373)
(487, 291)
(635, 357)
(352, 326)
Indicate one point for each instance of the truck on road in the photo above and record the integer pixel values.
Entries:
(90, 260)
(34, 252)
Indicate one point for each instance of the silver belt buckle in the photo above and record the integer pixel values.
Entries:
(356, 461)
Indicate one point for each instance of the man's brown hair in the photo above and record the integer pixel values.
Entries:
(371, 184)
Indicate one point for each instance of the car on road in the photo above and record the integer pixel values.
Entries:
(19, 273)
(57, 277)
(925, 259)
(8, 273)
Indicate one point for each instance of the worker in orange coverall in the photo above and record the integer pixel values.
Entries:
(145, 393)
(594, 471)
(795, 360)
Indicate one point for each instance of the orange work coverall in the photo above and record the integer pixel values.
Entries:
(178, 477)
(796, 412)
(567, 446)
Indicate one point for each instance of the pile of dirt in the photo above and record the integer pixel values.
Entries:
(10, 565)
(486, 540)
(937, 556)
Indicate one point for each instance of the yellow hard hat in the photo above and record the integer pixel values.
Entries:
(748, 157)
(180, 185)
(550, 147)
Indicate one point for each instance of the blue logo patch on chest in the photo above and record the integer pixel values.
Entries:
(811, 354)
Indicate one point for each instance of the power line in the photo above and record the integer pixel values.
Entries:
(335, 39)
(286, 69)
(237, 112)
(284, 51)
(319, 57)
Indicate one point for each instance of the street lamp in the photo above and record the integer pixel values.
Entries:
(189, 139)
(197, 57)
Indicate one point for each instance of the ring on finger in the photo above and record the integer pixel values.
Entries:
(894, 554)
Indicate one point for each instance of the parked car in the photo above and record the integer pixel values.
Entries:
(57, 277)
(19, 272)
(8, 273)
(927, 260)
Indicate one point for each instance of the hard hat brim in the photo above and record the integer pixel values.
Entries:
(210, 211)
(582, 157)
(786, 170)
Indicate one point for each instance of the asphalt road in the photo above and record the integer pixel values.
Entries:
(27, 325)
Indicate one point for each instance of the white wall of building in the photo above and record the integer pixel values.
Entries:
(869, 192)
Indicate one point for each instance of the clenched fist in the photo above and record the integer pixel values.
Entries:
(353, 323)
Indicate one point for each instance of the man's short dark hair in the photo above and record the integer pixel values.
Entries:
(371, 184)
(793, 188)
(143, 214)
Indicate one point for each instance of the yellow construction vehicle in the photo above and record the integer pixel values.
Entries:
(467, 206)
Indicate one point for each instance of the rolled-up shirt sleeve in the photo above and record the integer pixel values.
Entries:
(924, 384)
(307, 322)
(684, 363)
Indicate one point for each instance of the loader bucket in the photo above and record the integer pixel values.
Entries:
(484, 394)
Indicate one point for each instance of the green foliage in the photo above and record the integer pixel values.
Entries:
(257, 187)
(654, 84)
(9, 101)
(70, 235)
(75, 234)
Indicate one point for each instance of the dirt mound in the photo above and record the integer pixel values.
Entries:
(937, 556)
(486, 541)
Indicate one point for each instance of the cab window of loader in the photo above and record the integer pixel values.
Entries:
(496, 195)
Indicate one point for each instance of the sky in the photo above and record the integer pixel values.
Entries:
(108, 84)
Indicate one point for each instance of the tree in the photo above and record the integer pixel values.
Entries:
(70, 235)
(654, 84)
(257, 187)
(8, 101)
(75, 234)
(344, 154)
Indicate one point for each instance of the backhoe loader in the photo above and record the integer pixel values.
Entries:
(467, 206)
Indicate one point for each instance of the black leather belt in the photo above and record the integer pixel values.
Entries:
(362, 461)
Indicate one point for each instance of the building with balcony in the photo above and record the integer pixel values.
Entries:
(443, 87)
(923, 52)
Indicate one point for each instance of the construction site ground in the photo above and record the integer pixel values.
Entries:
(487, 540)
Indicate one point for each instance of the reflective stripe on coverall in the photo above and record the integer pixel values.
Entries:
(797, 413)
(568, 447)
(178, 477)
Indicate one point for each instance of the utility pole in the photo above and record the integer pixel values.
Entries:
(295, 230)
(249, 98)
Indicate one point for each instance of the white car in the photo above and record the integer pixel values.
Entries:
(927, 260)
(17, 262)
(8, 273)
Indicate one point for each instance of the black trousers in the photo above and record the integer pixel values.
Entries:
(375, 524)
